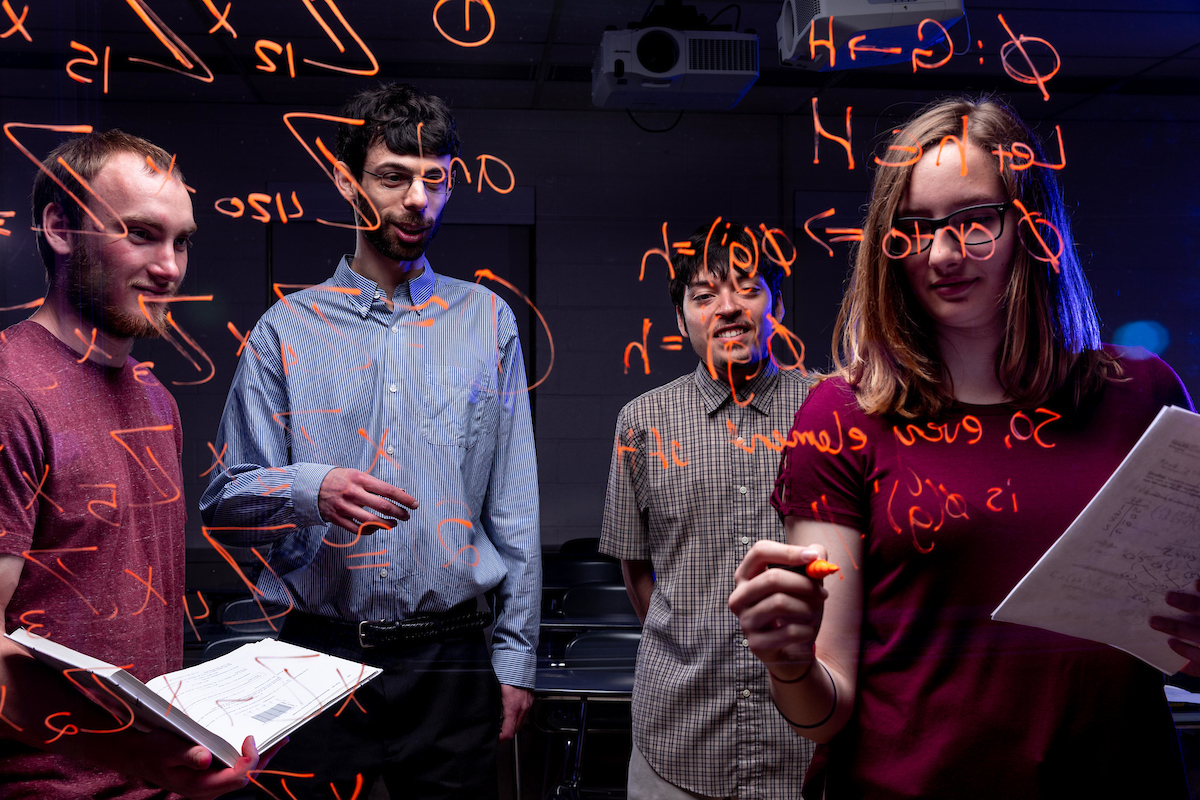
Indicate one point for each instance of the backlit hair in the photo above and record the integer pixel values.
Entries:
(884, 342)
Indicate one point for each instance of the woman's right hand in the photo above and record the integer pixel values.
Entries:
(780, 610)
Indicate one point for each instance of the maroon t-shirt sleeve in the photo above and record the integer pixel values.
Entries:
(822, 472)
(20, 456)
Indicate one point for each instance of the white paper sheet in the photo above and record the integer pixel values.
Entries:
(1137, 539)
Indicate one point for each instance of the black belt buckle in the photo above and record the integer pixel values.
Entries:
(362, 634)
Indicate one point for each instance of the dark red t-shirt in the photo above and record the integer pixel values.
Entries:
(90, 472)
(949, 703)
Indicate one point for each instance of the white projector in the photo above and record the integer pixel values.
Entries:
(663, 68)
(883, 25)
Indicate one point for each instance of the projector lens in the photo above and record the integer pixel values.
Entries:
(658, 51)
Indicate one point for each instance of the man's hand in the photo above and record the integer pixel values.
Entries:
(189, 769)
(1185, 628)
(346, 492)
(517, 702)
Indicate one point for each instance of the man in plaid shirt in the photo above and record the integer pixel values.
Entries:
(689, 490)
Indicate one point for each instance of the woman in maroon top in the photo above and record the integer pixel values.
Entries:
(973, 414)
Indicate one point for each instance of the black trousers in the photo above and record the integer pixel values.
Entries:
(429, 725)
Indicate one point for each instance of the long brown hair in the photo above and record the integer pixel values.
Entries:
(884, 344)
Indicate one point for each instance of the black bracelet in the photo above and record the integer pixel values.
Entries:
(793, 680)
(828, 716)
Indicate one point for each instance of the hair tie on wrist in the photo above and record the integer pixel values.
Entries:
(793, 680)
(828, 716)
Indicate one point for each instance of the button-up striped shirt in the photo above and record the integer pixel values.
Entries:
(689, 490)
(430, 397)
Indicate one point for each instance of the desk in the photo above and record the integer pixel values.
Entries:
(594, 684)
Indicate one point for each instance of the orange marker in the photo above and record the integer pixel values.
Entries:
(816, 570)
(820, 569)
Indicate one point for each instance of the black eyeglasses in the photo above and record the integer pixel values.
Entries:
(436, 182)
(974, 226)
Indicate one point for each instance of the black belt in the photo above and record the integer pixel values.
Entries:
(369, 634)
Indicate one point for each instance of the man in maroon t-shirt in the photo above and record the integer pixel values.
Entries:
(91, 525)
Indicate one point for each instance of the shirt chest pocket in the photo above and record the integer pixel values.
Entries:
(458, 406)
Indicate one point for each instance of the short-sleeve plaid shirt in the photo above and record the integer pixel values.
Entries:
(689, 490)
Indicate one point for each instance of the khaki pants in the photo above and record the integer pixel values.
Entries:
(646, 784)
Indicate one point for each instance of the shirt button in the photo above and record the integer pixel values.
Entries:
(745, 642)
(742, 490)
(383, 573)
(395, 329)
(745, 692)
(390, 449)
(740, 440)
(392, 388)
(364, 309)
(745, 540)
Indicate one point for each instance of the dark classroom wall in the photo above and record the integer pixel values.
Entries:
(593, 191)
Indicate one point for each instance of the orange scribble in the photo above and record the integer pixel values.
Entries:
(467, 524)
(826, 213)
(111, 503)
(641, 346)
(961, 143)
(487, 7)
(819, 132)
(172, 325)
(30, 627)
(170, 173)
(3, 688)
(191, 619)
(222, 18)
(374, 70)
(8, 131)
(91, 345)
(37, 489)
(148, 583)
(916, 152)
(18, 26)
(217, 460)
(169, 495)
(790, 340)
(1033, 77)
(362, 670)
(622, 449)
(358, 779)
(28, 555)
(827, 43)
(480, 274)
(183, 54)
(1033, 219)
(94, 61)
(287, 120)
(856, 48)
(379, 449)
(664, 251)
(939, 432)
(928, 53)
(229, 559)
(31, 304)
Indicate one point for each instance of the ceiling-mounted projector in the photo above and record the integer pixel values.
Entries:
(663, 68)
(871, 25)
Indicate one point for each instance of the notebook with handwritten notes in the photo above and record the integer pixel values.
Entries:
(1137, 539)
(264, 689)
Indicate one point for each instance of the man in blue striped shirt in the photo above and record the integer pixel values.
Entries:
(377, 437)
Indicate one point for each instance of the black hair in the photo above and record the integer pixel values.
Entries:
(710, 248)
(393, 114)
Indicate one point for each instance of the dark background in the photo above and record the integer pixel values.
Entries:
(592, 188)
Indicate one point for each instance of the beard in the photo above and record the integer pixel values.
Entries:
(89, 290)
(385, 240)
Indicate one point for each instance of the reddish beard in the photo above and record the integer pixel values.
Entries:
(88, 289)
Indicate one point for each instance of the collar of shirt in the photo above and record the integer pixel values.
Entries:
(418, 290)
(757, 392)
